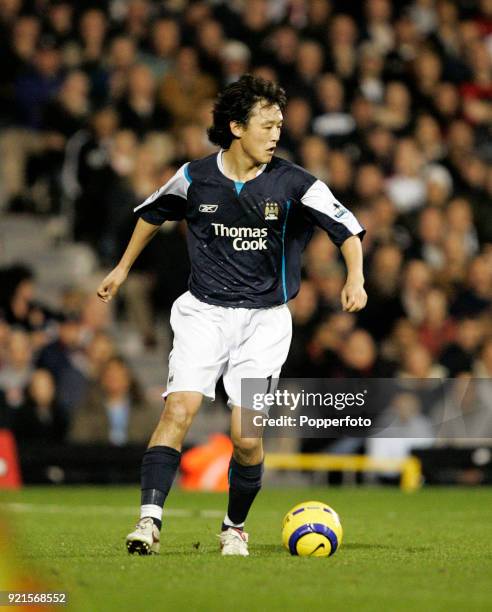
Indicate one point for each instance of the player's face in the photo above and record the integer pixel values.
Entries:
(260, 136)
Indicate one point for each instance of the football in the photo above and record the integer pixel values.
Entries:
(312, 529)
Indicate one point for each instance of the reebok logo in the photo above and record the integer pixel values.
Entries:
(208, 208)
(241, 235)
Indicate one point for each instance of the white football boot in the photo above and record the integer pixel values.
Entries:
(145, 539)
(234, 542)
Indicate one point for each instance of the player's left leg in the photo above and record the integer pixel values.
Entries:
(262, 344)
(245, 474)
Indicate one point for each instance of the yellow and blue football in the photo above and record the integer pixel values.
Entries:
(312, 529)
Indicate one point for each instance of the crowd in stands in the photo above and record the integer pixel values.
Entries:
(390, 103)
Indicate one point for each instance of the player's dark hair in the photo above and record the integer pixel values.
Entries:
(236, 102)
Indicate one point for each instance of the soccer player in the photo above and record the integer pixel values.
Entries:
(249, 215)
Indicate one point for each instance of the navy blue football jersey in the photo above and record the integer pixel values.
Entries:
(245, 240)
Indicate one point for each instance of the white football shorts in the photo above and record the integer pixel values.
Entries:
(210, 341)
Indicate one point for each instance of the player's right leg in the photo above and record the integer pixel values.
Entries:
(196, 362)
(159, 466)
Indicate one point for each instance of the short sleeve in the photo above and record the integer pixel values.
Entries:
(169, 202)
(325, 211)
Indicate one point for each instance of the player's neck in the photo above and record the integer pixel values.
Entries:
(238, 166)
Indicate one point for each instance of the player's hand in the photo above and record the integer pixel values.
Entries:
(353, 296)
(110, 285)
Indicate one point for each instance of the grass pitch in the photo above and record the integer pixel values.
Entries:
(428, 551)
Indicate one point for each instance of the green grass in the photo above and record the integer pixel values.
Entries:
(428, 551)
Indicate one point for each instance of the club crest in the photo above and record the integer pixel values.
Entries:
(271, 211)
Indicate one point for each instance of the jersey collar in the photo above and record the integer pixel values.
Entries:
(220, 165)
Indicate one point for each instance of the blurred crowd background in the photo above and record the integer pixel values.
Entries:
(390, 103)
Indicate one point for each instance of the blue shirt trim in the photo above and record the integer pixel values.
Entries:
(284, 282)
(238, 186)
(187, 174)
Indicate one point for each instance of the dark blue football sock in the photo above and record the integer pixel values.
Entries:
(159, 467)
(244, 484)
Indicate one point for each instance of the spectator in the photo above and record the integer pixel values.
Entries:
(315, 156)
(17, 52)
(406, 187)
(394, 113)
(383, 284)
(458, 356)
(341, 175)
(429, 139)
(428, 244)
(36, 87)
(459, 218)
(379, 147)
(369, 183)
(283, 44)
(333, 122)
(136, 20)
(255, 26)
(115, 410)
(309, 66)
(403, 428)
(122, 56)
(88, 177)
(63, 116)
(359, 358)
(405, 50)
(370, 78)
(40, 419)
(416, 284)
(386, 226)
(63, 358)
(342, 37)
(185, 88)
(137, 109)
(100, 350)
(235, 57)
(92, 31)
(403, 337)
(417, 362)
(327, 342)
(16, 371)
(18, 305)
(297, 121)
(427, 74)
(438, 185)
(165, 38)
(475, 297)
(211, 42)
(437, 328)
(446, 104)
(318, 13)
(59, 23)
(304, 309)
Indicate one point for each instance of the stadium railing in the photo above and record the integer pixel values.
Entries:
(410, 469)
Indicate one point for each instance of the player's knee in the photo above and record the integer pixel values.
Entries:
(247, 448)
(178, 412)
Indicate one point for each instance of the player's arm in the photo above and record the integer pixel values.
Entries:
(353, 295)
(142, 235)
(167, 204)
(325, 211)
